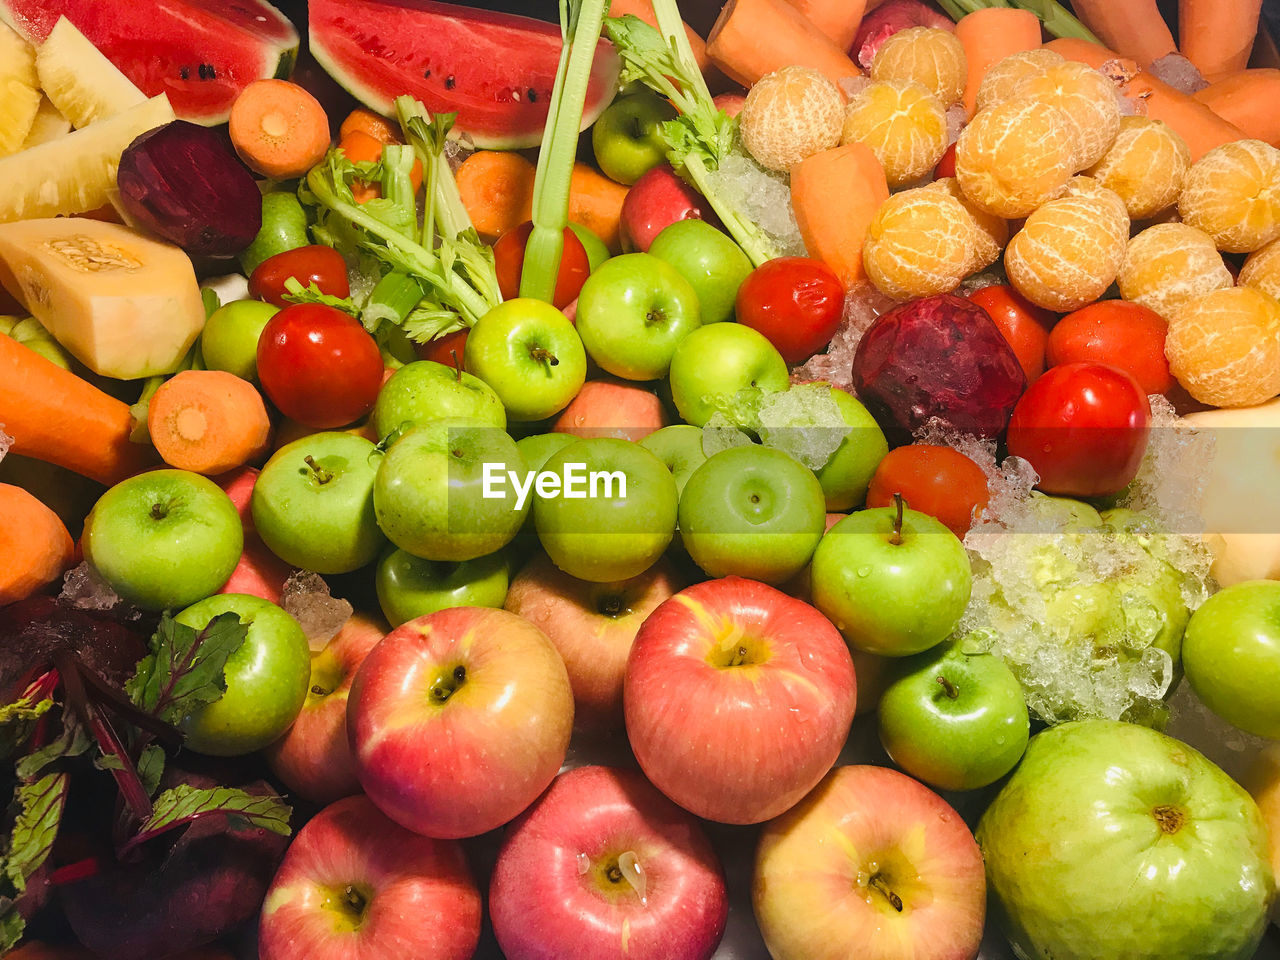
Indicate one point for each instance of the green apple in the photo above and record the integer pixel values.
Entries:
(1231, 653)
(313, 503)
(846, 476)
(955, 720)
(538, 447)
(164, 539)
(752, 512)
(713, 264)
(229, 340)
(267, 678)
(530, 354)
(33, 335)
(719, 360)
(444, 491)
(633, 312)
(679, 446)
(597, 252)
(1114, 842)
(425, 390)
(893, 585)
(615, 519)
(410, 587)
(626, 139)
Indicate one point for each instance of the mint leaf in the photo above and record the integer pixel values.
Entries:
(18, 720)
(182, 805)
(185, 668)
(297, 293)
(72, 742)
(35, 827)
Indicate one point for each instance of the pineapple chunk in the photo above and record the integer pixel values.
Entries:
(124, 305)
(82, 83)
(49, 125)
(19, 90)
(75, 173)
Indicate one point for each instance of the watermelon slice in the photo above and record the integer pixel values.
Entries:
(201, 53)
(495, 70)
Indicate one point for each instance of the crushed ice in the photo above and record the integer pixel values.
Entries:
(6, 442)
(83, 589)
(804, 422)
(862, 305)
(306, 598)
(1178, 72)
(764, 197)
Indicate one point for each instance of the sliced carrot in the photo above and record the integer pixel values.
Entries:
(990, 35)
(374, 124)
(1248, 100)
(751, 38)
(497, 189)
(278, 128)
(836, 194)
(1133, 28)
(34, 543)
(208, 421)
(55, 416)
(360, 147)
(1199, 126)
(837, 19)
(595, 202)
(1217, 35)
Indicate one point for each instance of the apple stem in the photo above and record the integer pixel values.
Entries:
(950, 687)
(322, 475)
(319, 691)
(899, 505)
(159, 511)
(881, 887)
(739, 658)
(457, 365)
(543, 355)
(354, 899)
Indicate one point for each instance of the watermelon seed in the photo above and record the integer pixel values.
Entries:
(184, 73)
(449, 82)
(426, 74)
(515, 95)
(533, 95)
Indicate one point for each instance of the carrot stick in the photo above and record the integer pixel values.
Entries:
(1133, 28)
(360, 147)
(1217, 35)
(278, 128)
(497, 189)
(208, 421)
(836, 194)
(595, 202)
(751, 38)
(1248, 100)
(373, 124)
(838, 19)
(990, 35)
(644, 10)
(55, 416)
(35, 545)
(1199, 126)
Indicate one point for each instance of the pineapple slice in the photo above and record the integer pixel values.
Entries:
(74, 173)
(124, 305)
(82, 83)
(19, 90)
(49, 125)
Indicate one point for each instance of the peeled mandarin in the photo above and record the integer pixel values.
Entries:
(988, 233)
(1002, 80)
(1083, 186)
(1168, 264)
(902, 123)
(1224, 347)
(1087, 99)
(1262, 270)
(1146, 165)
(1068, 253)
(790, 115)
(931, 57)
(1232, 193)
(1014, 157)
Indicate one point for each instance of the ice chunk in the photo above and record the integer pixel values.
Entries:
(1195, 724)
(721, 433)
(852, 86)
(764, 197)
(993, 276)
(862, 305)
(83, 589)
(457, 148)
(306, 597)
(957, 117)
(1178, 72)
(6, 442)
(804, 422)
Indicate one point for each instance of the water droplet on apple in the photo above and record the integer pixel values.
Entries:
(631, 869)
(864, 571)
(584, 863)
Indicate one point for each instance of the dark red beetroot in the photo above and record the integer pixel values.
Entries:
(886, 20)
(938, 357)
(182, 182)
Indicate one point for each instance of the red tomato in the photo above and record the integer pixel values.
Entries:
(442, 349)
(316, 264)
(1021, 322)
(1084, 427)
(947, 165)
(939, 481)
(795, 302)
(1127, 335)
(508, 253)
(318, 365)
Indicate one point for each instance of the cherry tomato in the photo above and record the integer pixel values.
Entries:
(947, 164)
(1084, 427)
(1127, 335)
(1021, 322)
(508, 253)
(442, 349)
(939, 481)
(316, 264)
(795, 302)
(318, 365)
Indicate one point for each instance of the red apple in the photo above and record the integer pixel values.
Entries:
(738, 699)
(354, 884)
(874, 865)
(604, 867)
(459, 719)
(657, 200)
(730, 103)
(593, 626)
(260, 572)
(609, 407)
(313, 758)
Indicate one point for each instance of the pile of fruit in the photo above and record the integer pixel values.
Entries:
(817, 527)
